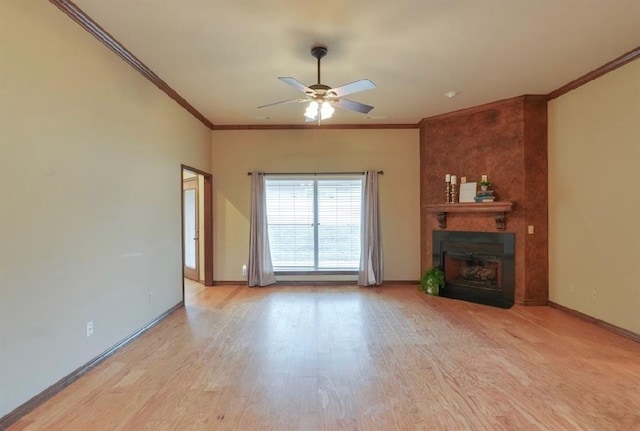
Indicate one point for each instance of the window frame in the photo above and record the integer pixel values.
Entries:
(316, 270)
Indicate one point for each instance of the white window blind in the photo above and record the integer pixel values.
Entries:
(314, 224)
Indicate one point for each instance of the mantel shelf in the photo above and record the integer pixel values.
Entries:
(487, 207)
(499, 209)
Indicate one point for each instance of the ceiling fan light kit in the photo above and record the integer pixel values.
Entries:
(322, 98)
(325, 109)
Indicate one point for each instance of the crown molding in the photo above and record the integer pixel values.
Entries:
(596, 73)
(314, 126)
(85, 21)
(479, 108)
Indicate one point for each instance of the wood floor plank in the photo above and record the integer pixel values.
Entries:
(348, 358)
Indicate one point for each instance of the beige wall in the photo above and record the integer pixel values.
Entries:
(395, 151)
(594, 156)
(90, 156)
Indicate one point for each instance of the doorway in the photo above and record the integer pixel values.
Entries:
(191, 218)
(197, 225)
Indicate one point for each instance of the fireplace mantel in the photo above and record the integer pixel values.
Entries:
(499, 209)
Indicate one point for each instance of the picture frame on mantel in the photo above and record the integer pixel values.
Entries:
(468, 192)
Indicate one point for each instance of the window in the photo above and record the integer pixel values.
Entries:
(314, 223)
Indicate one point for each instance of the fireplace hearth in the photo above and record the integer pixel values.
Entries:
(478, 266)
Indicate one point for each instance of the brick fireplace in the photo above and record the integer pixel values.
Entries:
(506, 140)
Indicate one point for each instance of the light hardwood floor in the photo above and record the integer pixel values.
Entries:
(341, 358)
(191, 289)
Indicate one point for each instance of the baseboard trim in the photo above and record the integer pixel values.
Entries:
(20, 411)
(229, 282)
(532, 302)
(601, 323)
(401, 282)
(315, 283)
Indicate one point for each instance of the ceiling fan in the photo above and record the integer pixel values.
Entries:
(323, 98)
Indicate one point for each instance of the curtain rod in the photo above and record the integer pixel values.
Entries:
(314, 173)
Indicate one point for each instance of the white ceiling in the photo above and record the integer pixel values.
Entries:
(223, 56)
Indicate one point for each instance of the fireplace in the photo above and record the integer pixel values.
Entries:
(478, 266)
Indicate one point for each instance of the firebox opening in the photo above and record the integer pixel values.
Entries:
(473, 270)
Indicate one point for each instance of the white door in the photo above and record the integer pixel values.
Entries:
(190, 217)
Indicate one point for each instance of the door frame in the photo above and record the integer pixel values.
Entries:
(207, 235)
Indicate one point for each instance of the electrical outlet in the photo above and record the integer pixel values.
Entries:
(572, 288)
(530, 229)
(151, 297)
(594, 294)
(90, 328)
(244, 270)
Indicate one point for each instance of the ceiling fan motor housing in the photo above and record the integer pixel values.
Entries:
(319, 51)
(320, 89)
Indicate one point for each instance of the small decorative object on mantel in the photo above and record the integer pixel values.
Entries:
(432, 280)
(468, 192)
(485, 194)
(484, 183)
(447, 180)
(451, 182)
(454, 189)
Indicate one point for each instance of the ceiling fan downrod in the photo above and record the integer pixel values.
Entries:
(319, 52)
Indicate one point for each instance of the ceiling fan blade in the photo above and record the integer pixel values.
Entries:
(295, 84)
(353, 87)
(281, 102)
(352, 106)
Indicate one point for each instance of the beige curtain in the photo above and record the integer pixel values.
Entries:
(371, 271)
(260, 268)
